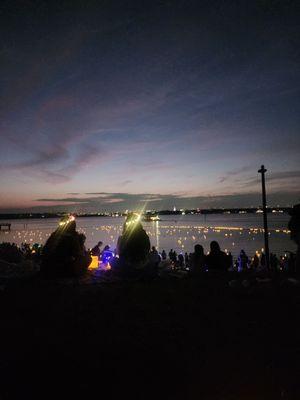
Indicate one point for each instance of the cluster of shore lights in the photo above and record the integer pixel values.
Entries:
(222, 228)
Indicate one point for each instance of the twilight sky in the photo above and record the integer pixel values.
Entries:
(111, 105)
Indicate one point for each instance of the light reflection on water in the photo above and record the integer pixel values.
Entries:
(234, 232)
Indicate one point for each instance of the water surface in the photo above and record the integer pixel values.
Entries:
(233, 231)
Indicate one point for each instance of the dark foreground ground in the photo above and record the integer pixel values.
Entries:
(168, 339)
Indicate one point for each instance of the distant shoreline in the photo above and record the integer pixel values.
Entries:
(254, 210)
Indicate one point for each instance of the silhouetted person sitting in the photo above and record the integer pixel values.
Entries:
(217, 260)
(186, 259)
(106, 255)
(243, 261)
(255, 262)
(96, 250)
(273, 262)
(291, 263)
(294, 227)
(197, 260)
(154, 256)
(133, 246)
(64, 254)
(180, 260)
(263, 260)
(173, 256)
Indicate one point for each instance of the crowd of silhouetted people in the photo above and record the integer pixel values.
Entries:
(216, 259)
(65, 255)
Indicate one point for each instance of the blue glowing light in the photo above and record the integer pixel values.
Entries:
(106, 256)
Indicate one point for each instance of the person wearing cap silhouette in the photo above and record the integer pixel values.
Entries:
(64, 254)
(294, 227)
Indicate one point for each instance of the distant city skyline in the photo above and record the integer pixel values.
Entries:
(116, 106)
(113, 202)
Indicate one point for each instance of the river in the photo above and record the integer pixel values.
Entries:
(180, 232)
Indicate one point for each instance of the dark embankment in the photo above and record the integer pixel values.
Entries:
(169, 339)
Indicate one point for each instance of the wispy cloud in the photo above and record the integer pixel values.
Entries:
(126, 182)
(58, 164)
(289, 177)
(234, 172)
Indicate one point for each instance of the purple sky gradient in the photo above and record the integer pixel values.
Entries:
(179, 100)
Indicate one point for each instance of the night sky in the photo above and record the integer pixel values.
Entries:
(108, 105)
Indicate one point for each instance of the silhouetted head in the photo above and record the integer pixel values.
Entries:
(214, 247)
(106, 248)
(99, 244)
(132, 222)
(294, 223)
(198, 249)
(153, 248)
(67, 224)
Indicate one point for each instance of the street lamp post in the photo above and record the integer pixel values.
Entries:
(262, 171)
